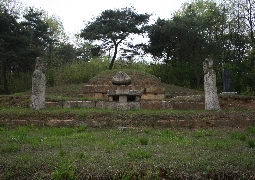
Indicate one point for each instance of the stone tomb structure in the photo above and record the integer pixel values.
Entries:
(124, 97)
(124, 91)
(149, 87)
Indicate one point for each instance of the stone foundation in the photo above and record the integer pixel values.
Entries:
(100, 91)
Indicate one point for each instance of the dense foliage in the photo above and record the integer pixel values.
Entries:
(223, 31)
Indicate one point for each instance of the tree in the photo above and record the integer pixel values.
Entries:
(56, 34)
(8, 38)
(163, 36)
(114, 26)
(186, 39)
(39, 32)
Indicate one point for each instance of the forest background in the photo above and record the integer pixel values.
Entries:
(177, 47)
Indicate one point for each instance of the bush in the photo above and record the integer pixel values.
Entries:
(78, 72)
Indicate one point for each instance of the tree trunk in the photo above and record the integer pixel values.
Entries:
(115, 54)
(166, 69)
(6, 89)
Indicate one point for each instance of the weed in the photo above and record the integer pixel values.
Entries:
(143, 141)
(81, 128)
(251, 143)
(203, 133)
(238, 135)
(81, 155)
(62, 153)
(146, 130)
(251, 129)
(65, 171)
(10, 148)
(140, 154)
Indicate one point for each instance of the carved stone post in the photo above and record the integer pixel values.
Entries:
(38, 85)
(211, 96)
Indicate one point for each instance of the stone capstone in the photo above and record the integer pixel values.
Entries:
(121, 79)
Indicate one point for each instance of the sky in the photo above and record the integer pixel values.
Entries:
(73, 13)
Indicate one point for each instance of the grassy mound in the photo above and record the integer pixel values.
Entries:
(138, 78)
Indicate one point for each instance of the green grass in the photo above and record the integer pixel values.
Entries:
(30, 152)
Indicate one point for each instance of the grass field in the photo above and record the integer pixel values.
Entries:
(144, 152)
(126, 153)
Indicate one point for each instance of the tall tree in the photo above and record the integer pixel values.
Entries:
(38, 30)
(189, 37)
(114, 26)
(12, 43)
(163, 37)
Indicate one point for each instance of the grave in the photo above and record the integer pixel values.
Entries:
(116, 90)
(124, 97)
(149, 86)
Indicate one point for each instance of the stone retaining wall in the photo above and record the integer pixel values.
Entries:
(202, 120)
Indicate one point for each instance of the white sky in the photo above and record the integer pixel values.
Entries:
(73, 13)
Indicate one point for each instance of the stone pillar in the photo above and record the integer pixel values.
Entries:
(211, 96)
(38, 85)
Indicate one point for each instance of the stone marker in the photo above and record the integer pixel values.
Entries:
(228, 83)
(211, 97)
(227, 80)
(38, 85)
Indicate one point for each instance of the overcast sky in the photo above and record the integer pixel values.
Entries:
(73, 13)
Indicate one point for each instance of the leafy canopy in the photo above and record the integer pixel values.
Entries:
(114, 26)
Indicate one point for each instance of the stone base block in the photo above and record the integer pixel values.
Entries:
(96, 95)
(81, 104)
(128, 106)
(155, 96)
(106, 105)
(53, 104)
(156, 105)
